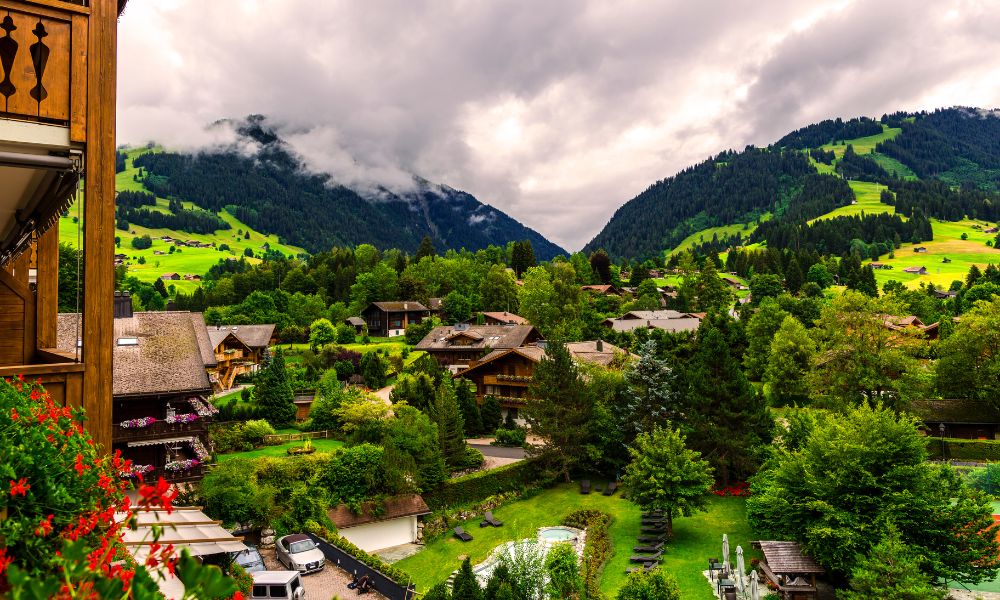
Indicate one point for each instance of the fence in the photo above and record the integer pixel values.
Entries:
(383, 584)
(281, 438)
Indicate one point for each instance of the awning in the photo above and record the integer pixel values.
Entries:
(173, 440)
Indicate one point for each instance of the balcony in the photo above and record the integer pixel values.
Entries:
(159, 429)
(61, 376)
(508, 380)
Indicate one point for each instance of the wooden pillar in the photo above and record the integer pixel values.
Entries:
(99, 219)
(47, 296)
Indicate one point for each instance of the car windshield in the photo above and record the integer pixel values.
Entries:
(303, 546)
(248, 558)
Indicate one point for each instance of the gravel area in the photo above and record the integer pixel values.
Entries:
(324, 585)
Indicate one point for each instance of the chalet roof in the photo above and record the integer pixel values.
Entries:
(787, 558)
(167, 358)
(583, 351)
(955, 411)
(393, 508)
(606, 288)
(490, 336)
(914, 269)
(219, 335)
(671, 325)
(253, 336)
(654, 314)
(401, 306)
(355, 321)
(506, 317)
(204, 341)
(434, 303)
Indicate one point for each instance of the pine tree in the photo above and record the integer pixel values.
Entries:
(561, 414)
(426, 249)
(891, 571)
(498, 578)
(866, 282)
(522, 257)
(373, 370)
(448, 417)
(791, 356)
(793, 277)
(160, 287)
(711, 292)
(466, 586)
(600, 264)
(726, 417)
(491, 414)
(654, 394)
(465, 393)
(438, 592)
(273, 392)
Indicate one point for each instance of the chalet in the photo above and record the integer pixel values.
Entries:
(158, 252)
(499, 318)
(435, 305)
(393, 522)
(880, 265)
(458, 346)
(916, 270)
(734, 283)
(166, 238)
(357, 323)
(238, 350)
(507, 374)
(303, 401)
(389, 319)
(991, 230)
(667, 320)
(965, 419)
(160, 407)
(170, 277)
(193, 243)
(911, 323)
(58, 122)
(920, 249)
(944, 294)
(602, 290)
(190, 277)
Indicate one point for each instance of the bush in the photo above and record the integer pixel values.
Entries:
(473, 459)
(475, 487)
(343, 369)
(597, 550)
(511, 438)
(233, 494)
(959, 449)
(142, 242)
(371, 560)
(254, 432)
(240, 437)
(244, 580)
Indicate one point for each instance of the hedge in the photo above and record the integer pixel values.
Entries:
(596, 551)
(477, 486)
(961, 449)
(394, 573)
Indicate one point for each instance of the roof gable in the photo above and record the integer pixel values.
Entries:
(393, 508)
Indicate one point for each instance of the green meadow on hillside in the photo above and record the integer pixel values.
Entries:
(193, 261)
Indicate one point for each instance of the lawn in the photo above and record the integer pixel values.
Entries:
(705, 235)
(195, 261)
(869, 196)
(321, 445)
(697, 538)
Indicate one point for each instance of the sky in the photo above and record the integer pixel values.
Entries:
(555, 111)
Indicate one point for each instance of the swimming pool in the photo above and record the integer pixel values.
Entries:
(545, 539)
(557, 534)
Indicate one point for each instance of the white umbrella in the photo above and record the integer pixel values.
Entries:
(725, 553)
(740, 569)
(754, 590)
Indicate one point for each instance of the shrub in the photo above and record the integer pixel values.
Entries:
(233, 494)
(491, 413)
(597, 550)
(475, 487)
(512, 438)
(371, 560)
(473, 459)
(254, 432)
(959, 449)
(343, 369)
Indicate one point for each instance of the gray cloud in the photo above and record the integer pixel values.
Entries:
(556, 112)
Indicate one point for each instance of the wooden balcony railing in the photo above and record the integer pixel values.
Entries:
(514, 380)
(63, 380)
(158, 430)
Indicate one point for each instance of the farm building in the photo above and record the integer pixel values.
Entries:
(916, 270)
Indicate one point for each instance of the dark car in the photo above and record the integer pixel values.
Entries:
(250, 559)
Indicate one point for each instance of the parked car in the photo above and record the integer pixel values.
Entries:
(299, 553)
(250, 559)
(277, 584)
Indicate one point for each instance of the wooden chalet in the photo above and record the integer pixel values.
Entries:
(965, 419)
(507, 374)
(667, 320)
(605, 289)
(498, 318)
(389, 319)
(880, 265)
(57, 121)
(170, 277)
(920, 249)
(791, 571)
(912, 323)
(160, 409)
(916, 270)
(357, 323)
(734, 283)
(238, 350)
(456, 347)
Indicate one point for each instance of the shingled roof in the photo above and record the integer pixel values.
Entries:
(204, 341)
(787, 558)
(393, 508)
(955, 411)
(166, 358)
(254, 336)
(583, 351)
(495, 337)
(401, 306)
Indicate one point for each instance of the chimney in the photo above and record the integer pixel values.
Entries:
(123, 305)
(406, 306)
(600, 345)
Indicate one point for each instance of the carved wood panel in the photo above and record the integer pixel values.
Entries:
(35, 64)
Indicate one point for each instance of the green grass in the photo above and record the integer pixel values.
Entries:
(697, 538)
(869, 197)
(864, 145)
(893, 166)
(225, 399)
(195, 261)
(705, 235)
(321, 445)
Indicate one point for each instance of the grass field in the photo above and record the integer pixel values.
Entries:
(195, 261)
(697, 538)
(705, 235)
(863, 145)
(869, 202)
(321, 446)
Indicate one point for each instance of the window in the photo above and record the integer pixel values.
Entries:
(278, 591)
(260, 591)
(128, 341)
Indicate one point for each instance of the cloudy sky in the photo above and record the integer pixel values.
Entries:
(555, 111)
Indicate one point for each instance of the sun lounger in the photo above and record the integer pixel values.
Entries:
(653, 513)
(584, 486)
(611, 489)
(462, 535)
(649, 548)
(652, 558)
(489, 519)
(656, 529)
(646, 567)
(652, 539)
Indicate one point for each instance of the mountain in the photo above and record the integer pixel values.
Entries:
(944, 164)
(272, 192)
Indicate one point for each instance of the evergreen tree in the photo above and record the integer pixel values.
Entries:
(273, 392)
(438, 592)
(451, 436)
(471, 418)
(866, 284)
(760, 332)
(466, 586)
(373, 370)
(522, 257)
(892, 571)
(498, 578)
(562, 412)
(426, 249)
(600, 264)
(793, 277)
(491, 414)
(160, 287)
(710, 291)
(654, 396)
(728, 420)
(791, 356)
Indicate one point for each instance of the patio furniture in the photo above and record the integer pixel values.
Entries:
(611, 489)
(584, 486)
(654, 529)
(646, 567)
(647, 539)
(651, 558)
(653, 513)
(724, 585)
(490, 520)
(462, 535)
(649, 548)
(787, 568)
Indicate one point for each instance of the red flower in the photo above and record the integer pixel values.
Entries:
(237, 596)
(35, 395)
(158, 495)
(44, 526)
(4, 560)
(19, 487)
(13, 414)
(80, 468)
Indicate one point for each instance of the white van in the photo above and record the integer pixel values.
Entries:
(286, 585)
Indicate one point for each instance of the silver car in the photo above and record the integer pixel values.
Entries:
(299, 553)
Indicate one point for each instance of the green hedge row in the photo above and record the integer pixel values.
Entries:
(960, 449)
(397, 575)
(597, 550)
(478, 486)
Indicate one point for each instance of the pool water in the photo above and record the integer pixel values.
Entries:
(556, 534)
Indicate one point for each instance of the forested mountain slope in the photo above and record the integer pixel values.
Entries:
(944, 165)
(272, 192)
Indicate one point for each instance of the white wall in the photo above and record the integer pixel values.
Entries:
(382, 534)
